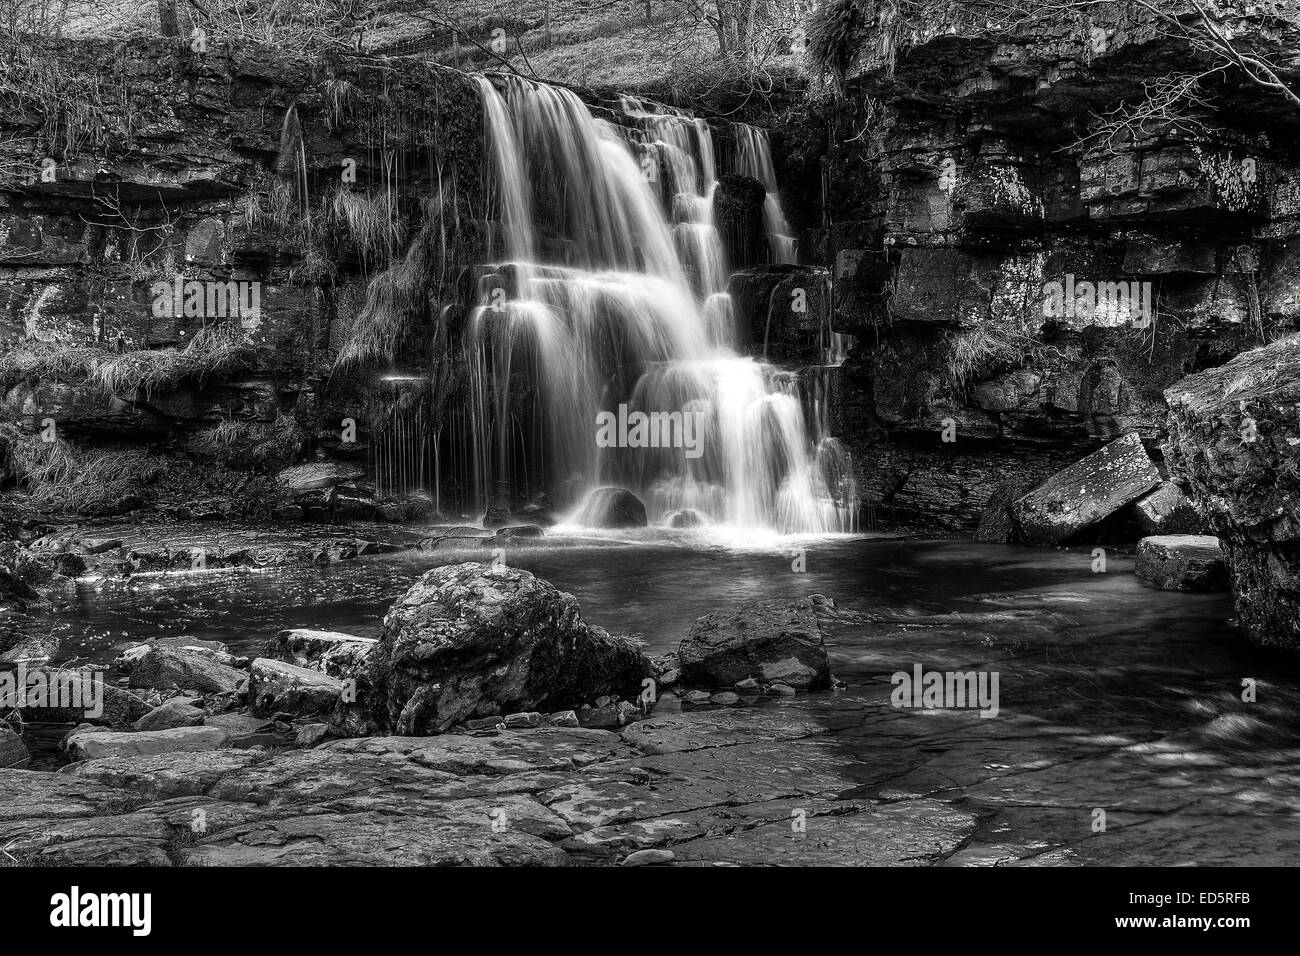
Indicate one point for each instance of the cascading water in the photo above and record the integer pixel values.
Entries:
(603, 304)
(754, 159)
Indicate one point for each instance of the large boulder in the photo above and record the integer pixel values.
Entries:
(766, 640)
(612, 508)
(1234, 441)
(330, 652)
(1086, 492)
(1182, 562)
(471, 640)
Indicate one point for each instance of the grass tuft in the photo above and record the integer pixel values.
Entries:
(213, 351)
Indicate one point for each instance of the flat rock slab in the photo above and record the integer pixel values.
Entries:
(1182, 562)
(127, 839)
(36, 794)
(474, 838)
(545, 748)
(92, 745)
(318, 474)
(1086, 492)
(161, 776)
(914, 833)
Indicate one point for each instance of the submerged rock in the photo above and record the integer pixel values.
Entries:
(1234, 439)
(766, 640)
(1182, 562)
(471, 640)
(1088, 491)
(612, 508)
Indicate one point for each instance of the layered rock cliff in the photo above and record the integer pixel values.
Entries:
(1024, 272)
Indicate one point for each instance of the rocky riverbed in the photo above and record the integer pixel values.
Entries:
(1109, 746)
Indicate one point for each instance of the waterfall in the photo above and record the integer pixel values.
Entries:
(611, 297)
(754, 159)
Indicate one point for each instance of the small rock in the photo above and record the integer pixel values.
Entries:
(519, 721)
(178, 712)
(748, 685)
(724, 697)
(670, 677)
(697, 697)
(563, 718)
(776, 640)
(484, 723)
(610, 716)
(309, 735)
(781, 689)
(238, 724)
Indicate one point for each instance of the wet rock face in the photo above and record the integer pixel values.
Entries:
(738, 216)
(471, 640)
(766, 640)
(1234, 439)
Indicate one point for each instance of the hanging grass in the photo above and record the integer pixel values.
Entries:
(62, 477)
(34, 361)
(214, 351)
(269, 445)
(371, 224)
(398, 297)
